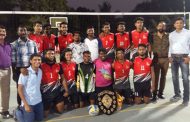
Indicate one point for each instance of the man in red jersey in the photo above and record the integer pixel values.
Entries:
(69, 72)
(143, 74)
(65, 38)
(139, 36)
(122, 39)
(48, 38)
(37, 36)
(51, 83)
(107, 39)
(121, 69)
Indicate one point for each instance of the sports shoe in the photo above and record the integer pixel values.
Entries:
(175, 98)
(6, 115)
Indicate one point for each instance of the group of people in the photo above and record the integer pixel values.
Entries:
(88, 67)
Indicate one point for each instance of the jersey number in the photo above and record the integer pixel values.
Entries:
(142, 68)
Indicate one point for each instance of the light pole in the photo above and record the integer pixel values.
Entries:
(184, 10)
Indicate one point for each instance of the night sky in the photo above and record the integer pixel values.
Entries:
(117, 5)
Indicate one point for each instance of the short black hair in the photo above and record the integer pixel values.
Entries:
(86, 52)
(161, 21)
(2, 27)
(89, 27)
(47, 25)
(37, 22)
(49, 49)
(76, 32)
(105, 23)
(142, 45)
(35, 55)
(119, 49)
(139, 19)
(22, 26)
(63, 23)
(102, 50)
(121, 23)
(179, 19)
(62, 57)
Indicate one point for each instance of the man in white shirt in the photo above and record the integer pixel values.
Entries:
(179, 56)
(29, 91)
(93, 43)
(77, 48)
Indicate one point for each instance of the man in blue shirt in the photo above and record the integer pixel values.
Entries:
(179, 56)
(22, 49)
(29, 91)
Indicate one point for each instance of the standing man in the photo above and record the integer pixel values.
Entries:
(77, 48)
(49, 39)
(107, 39)
(93, 43)
(122, 39)
(160, 47)
(5, 73)
(22, 49)
(65, 38)
(139, 36)
(179, 56)
(37, 36)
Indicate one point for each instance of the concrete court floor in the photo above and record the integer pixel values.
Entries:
(162, 111)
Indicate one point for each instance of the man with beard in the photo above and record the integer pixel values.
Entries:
(51, 83)
(160, 47)
(92, 42)
(143, 74)
(22, 49)
(77, 48)
(122, 39)
(65, 38)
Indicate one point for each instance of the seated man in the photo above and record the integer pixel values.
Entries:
(51, 84)
(143, 74)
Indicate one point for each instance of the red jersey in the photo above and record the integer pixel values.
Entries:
(50, 74)
(122, 40)
(107, 41)
(49, 42)
(65, 40)
(121, 69)
(139, 38)
(39, 41)
(142, 69)
(69, 71)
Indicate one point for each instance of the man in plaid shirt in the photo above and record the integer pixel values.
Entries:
(22, 49)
